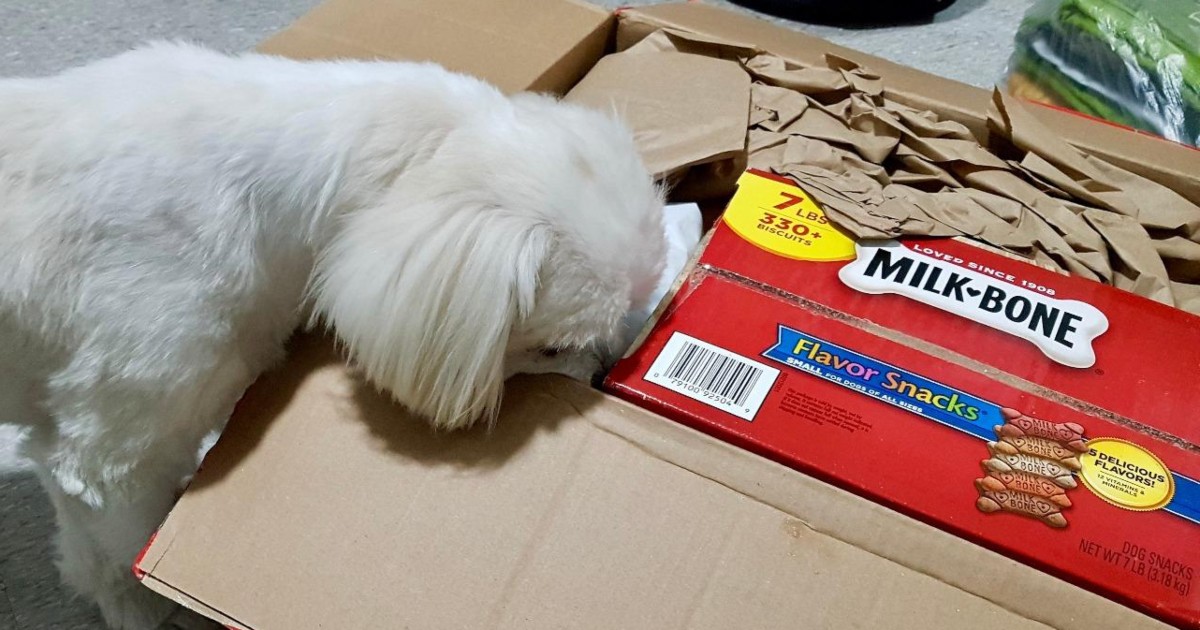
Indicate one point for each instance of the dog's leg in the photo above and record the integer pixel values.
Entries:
(96, 547)
(113, 463)
(99, 539)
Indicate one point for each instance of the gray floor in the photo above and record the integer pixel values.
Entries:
(969, 42)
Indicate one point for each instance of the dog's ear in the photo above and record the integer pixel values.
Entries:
(425, 296)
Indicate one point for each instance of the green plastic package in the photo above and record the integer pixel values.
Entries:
(1133, 62)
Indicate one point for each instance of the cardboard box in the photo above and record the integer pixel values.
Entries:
(887, 369)
(324, 505)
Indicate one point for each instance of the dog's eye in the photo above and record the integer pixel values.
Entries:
(549, 353)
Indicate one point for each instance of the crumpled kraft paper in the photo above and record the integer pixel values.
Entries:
(678, 121)
(882, 169)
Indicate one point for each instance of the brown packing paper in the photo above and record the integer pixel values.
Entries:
(802, 150)
(863, 81)
(925, 138)
(1139, 264)
(710, 180)
(929, 213)
(810, 81)
(781, 107)
(766, 158)
(1181, 257)
(677, 120)
(1056, 231)
(668, 40)
(930, 141)
(759, 115)
(959, 213)
(1091, 191)
(818, 123)
(761, 139)
(918, 172)
(1159, 207)
(1173, 165)
(884, 169)
(1010, 121)
(946, 150)
(1144, 204)
(1187, 296)
(849, 201)
(926, 124)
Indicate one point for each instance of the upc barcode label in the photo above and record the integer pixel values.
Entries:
(712, 375)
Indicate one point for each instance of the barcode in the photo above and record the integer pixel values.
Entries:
(712, 375)
(714, 372)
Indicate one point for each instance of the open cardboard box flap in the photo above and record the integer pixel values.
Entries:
(324, 505)
(543, 45)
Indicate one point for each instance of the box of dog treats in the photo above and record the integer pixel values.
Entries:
(1049, 418)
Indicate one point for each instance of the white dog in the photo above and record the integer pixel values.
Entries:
(169, 216)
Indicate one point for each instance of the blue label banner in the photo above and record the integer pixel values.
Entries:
(888, 383)
(1186, 502)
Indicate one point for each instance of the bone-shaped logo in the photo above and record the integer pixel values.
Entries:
(1062, 329)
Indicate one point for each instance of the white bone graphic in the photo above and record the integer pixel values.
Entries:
(1062, 329)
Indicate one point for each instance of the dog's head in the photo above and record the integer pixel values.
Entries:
(519, 247)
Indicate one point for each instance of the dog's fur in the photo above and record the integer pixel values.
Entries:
(169, 216)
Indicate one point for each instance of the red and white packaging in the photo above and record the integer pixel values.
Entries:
(1049, 418)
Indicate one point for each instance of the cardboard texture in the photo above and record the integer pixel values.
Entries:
(543, 45)
(326, 506)
(921, 375)
(677, 121)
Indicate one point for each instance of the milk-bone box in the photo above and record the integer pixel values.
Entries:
(1051, 419)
